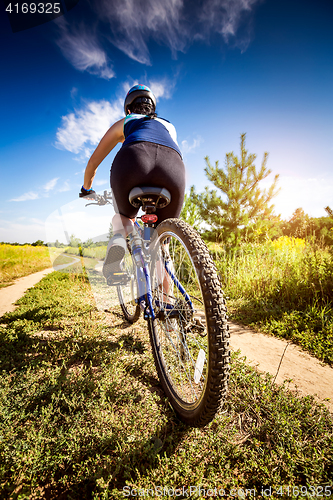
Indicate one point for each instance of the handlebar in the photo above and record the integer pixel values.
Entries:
(102, 199)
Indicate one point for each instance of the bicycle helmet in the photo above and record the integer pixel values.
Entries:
(138, 91)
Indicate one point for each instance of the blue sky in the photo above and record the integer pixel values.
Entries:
(218, 67)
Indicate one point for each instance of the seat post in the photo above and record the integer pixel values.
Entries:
(148, 232)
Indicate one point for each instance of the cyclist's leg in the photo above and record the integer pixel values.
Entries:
(164, 279)
(115, 252)
(150, 164)
(122, 225)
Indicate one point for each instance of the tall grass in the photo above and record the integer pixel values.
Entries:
(286, 271)
(92, 252)
(17, 261)
(95, 252)
(284, 286)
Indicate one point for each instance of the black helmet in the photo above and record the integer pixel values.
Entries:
(138, 91)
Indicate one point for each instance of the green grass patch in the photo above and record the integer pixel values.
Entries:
(17, 261)
(77, 267)
(82, 413)
(283, 287)
(62, 259)
(97, 252)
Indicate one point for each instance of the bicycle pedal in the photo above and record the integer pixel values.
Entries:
(118, 279)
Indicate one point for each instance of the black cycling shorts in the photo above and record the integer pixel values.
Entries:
(147, 164)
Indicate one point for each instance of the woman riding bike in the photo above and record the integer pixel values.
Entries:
(149, 156)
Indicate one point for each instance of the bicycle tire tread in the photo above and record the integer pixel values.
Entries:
(216, 316)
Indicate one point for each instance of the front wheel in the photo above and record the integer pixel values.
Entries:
(189, 334)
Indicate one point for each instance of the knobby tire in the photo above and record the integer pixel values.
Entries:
(176, 343)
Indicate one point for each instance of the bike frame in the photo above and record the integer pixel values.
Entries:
(145, 299)
(143, 278)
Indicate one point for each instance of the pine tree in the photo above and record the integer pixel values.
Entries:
(299, 224)
(244, 207)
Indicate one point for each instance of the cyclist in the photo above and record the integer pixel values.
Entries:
(149, 156)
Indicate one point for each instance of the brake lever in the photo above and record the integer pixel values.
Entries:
(101, 200)
(101, 203)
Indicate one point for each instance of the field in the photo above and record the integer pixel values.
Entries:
(18, 261)
(283, 287)
(82, 414)
(92, 252)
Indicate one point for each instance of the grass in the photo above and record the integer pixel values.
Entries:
(18, 261)
(62, 259)
(283, 287)
(82, 414)
(91, 252)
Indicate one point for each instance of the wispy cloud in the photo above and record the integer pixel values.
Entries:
(82, 130)
(22, 230)
(162, 88)
(87, 126)
(130, 25)
(30, 195)
(83, 50)
(133, 22)
(64, 187)
(42, 191)
(71, 219)
(74, 92)
(226, 17)
(51, 184)
(175, 23)
(190, 147)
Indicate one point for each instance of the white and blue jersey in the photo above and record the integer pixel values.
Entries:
(139, 128)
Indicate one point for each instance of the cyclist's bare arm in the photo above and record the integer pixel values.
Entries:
(113, 136)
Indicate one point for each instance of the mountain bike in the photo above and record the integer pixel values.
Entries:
(171, 278)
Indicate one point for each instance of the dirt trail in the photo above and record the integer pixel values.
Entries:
(263, 351)
(10, 294)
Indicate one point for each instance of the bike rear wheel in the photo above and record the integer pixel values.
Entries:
(127, 292)
(190, 334)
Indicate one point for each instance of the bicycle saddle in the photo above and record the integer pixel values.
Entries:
(149, 198)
